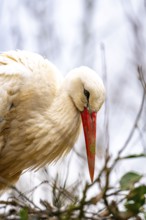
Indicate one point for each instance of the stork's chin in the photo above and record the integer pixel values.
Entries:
(89, 127)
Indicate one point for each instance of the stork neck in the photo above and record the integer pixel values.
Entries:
(62, 122)
(64, 114)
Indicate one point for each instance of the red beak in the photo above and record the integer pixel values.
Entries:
(89, 126)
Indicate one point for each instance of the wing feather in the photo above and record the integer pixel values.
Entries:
(26, 75)
(28, 85)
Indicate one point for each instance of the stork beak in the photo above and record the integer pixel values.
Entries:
(89, 126)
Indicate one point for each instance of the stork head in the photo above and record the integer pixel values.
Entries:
(87, 92)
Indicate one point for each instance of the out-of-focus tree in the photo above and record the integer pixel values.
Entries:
(87, 39)
(48, 39)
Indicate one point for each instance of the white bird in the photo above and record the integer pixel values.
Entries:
(40, 114)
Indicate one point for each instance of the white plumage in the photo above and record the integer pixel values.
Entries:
(39, 112)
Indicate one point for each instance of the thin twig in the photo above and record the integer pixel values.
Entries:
(132, 130)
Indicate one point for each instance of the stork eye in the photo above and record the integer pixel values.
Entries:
(87, 94)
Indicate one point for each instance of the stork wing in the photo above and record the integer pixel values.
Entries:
(28, 85)
(27, 80)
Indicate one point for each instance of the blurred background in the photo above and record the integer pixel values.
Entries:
(108, 36)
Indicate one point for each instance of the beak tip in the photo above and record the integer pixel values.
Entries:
(92, 177)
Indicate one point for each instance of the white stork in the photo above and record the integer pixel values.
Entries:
(40, 114)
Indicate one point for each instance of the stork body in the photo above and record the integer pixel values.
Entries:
(39, 113)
